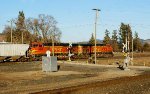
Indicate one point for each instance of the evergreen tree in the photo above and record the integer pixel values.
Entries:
(44, 28)
(92, 40)
(21, 30)
(137, 45)
(125, 32)
(20, 21)
(18, 29)
(146, 47)
(106, 38)
(114, 40)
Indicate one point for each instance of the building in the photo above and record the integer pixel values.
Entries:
(2, 38)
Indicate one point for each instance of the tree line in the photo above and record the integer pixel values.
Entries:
(44, 29)
(119, 37)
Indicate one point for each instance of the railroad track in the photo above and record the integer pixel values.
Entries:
(134, 84)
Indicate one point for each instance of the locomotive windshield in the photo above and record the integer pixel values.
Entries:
(36, 45)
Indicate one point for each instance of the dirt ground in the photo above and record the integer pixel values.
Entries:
(27, 77)
(24, 78)
(139, 59)
(124, 85)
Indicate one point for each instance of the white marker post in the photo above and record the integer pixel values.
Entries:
(48, 53)
(127, 57)
(70, 45)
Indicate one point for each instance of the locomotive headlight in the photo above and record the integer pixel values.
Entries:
(32, 51)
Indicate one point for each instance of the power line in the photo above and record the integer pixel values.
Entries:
(85, 25)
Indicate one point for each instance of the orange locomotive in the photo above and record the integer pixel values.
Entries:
(61, 50)
(38, 49)
(87, 50)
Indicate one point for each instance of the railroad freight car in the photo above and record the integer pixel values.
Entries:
(12, 52)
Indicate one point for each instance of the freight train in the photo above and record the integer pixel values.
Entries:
(35, 51)
(61, 50)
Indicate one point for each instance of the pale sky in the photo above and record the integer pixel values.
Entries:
(76, 18)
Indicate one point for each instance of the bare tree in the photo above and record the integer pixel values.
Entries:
(10, 28)
(47, 28)
(44, 27)
(32, 26)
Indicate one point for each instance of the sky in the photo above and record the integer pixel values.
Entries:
(76, 18)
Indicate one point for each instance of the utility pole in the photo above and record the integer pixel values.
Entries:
(11, 22)
(11, 31)
(97, 10)
(53, 44)
(24, 28)
(132, 47)
(22, 36)
(132, 52)
(128, 41)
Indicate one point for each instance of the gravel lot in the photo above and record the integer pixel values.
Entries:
(27, 78)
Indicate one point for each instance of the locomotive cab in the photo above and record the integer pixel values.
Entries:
(35, 48)
(36, 44)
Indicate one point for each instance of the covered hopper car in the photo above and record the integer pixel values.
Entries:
(13, 52)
